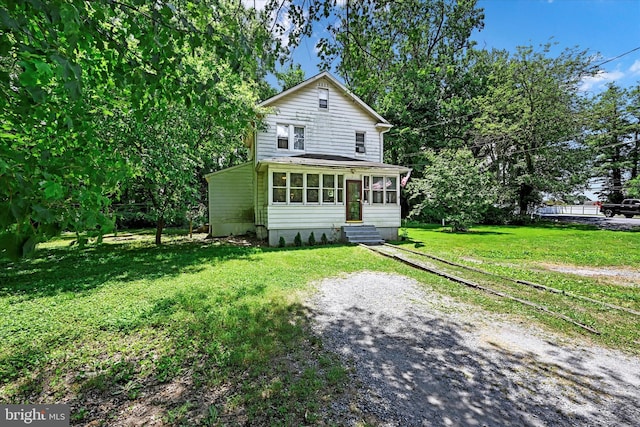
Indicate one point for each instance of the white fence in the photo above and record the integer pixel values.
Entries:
(569, 210)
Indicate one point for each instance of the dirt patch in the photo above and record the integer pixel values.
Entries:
(620, 276)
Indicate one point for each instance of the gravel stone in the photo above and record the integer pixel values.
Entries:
(422, 359)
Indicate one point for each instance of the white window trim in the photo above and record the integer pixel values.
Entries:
(320, 91)
(336, 188)
(370, 191)
(364, 143)
(292, 140)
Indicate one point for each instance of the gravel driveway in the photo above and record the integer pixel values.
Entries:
(422, 359)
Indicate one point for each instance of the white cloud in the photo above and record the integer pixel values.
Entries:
(600, 79)
(635, 67)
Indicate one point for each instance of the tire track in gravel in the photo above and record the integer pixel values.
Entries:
(423, 359)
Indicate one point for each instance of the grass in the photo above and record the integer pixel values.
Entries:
(530, 253)
(563, 243)
(104, 326)
(195, 333)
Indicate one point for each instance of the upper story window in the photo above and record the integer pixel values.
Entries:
(323, 98)
(283, 136)
(360, 147)
(290, 137)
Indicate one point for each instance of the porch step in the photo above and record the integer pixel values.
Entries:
(365, 234)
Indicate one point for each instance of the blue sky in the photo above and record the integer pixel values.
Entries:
(605, 27)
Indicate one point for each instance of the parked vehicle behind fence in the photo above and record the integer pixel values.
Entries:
(628, 208)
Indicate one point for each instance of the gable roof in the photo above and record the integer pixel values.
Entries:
(326, 75)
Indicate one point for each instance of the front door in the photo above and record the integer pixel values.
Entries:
(354, 200)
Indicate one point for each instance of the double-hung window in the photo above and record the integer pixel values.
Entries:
(360, 147)
(290, 137)
(283, 136)
(297, 188)
(279, 187)
(323, 98)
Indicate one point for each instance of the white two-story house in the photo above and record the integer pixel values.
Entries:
(317, 167)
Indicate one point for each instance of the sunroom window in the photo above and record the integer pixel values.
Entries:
(297, 188)
(313, 188)
(307, 188)
(377, 189)
(328, 189)
(391, 191)
(279, 187)
(380, 190)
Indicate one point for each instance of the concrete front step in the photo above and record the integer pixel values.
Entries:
(365, 234)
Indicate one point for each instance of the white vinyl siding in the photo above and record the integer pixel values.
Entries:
(329, 131)
(231, 200)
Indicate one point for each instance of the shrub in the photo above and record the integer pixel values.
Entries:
(282, 243)
(312, 239)
(298, 240)
(323, 239)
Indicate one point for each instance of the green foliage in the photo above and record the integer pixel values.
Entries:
(70, 67)
(421, 83)
(613, 119)
(323, 239)
(101, 325)
(454, 189)
(530, 120)
(632, 187)
(281, 242)
(297, 241)
(312, 239)
(290, 76)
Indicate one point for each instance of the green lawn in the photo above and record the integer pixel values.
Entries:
(103, 327)
(567, 244)
(197, 333)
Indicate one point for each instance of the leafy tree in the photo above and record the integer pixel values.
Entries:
(454, 188)
(634, 112)
(611, 139)
(290, 76)
(408, 60)
(633, 187)
(70, 65)
(529, 122)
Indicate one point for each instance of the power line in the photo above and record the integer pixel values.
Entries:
(616, 57)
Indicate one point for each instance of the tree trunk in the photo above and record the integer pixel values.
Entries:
(159, 227)
(526, 191)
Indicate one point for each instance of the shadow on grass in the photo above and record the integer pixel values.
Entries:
(65, 269)
(237, 356)
(419, 369)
